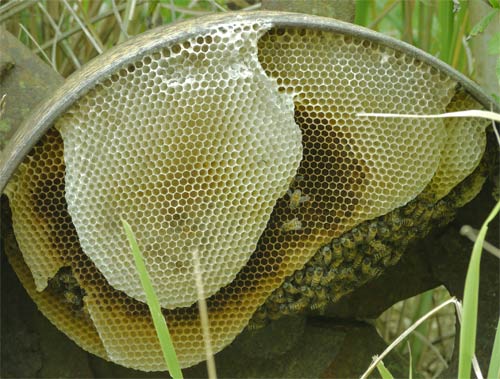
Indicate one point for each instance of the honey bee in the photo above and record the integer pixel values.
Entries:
(307, 292)
(395, 222)
(64, 280)
(290, 288)
(385, 256)
(401, 235)
(326, 254)
(66, 285)
(427, 212)
(309, 275)
(383, 231)
(418, 211)
(358, 235)
(296, 198)
(357, 260)
(321, 294)
(372, 231)
(259, 314)
(317, 259)
(337, 288)
(328, 277)
(73, 299)
(407, 222)
(366, 266)
(442, 210)
(256, 325)
(381, 250)
(336, 297)
(292, 225)
(277, 314)
(374, 271)
(378, 247)
(409, 208)
(68, 279)
(392, 259)
(319, 305)
(337, 262)
(346, 243)
(347, 274)
(298, 278)
(278, 296)
(336, 248)
(298, 305)
(317, 276)
(350, 254)
(285, 309)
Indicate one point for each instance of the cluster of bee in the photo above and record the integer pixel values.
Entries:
(364, 252)
(64, 284)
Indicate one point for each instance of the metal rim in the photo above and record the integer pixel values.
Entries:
(44, 116)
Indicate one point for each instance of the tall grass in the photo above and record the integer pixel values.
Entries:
(468, 316)
(436, 26)
(468, 313)
(68, 33)
(471, 296)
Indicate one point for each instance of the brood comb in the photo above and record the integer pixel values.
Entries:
(236, 136)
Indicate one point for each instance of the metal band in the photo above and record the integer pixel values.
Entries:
(36, 125)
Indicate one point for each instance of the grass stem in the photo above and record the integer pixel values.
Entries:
(471, 296)
(202, 306)
(159, 322)
(389, 348)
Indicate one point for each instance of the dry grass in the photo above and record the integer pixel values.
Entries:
(68, 33)
(432, 344)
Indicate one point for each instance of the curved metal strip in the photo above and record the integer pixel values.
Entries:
(83, 80)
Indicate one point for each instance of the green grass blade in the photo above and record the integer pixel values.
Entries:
(410, 370)
(497, 70)
(383, 371)
(362, 9)
(407, 21)
(471, 294)
(494, 369)
(483, 23)
(404, 335)
(424, 306)
(494, 44)
(445, 19)
(426, 20)
(154, 307)
(460, 24)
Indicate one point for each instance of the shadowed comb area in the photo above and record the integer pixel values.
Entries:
(241, 141)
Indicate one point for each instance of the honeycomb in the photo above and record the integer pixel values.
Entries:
(464, 147)
(36, 198)
(241, 142)
(204, 148)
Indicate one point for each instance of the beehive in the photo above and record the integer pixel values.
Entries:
(238, 139)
